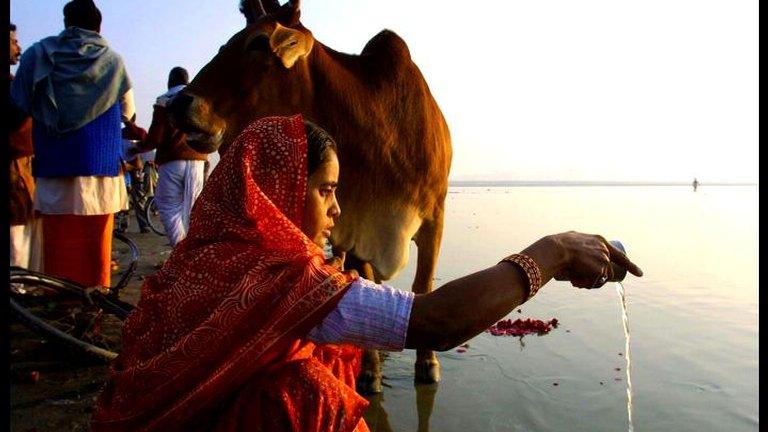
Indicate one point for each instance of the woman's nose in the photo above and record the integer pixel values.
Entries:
(335, 210)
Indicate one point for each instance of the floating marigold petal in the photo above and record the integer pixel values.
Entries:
(522, 327)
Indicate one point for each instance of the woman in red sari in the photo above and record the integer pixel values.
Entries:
(232, 333)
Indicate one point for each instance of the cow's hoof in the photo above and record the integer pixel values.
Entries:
(427, 372)
(368, 384)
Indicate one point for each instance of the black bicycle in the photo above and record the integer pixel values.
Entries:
(85, 320)
(152, 216)
(141, 202)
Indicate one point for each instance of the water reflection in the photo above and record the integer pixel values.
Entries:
(375, 416)
(425, 401)
(378, 421)
(694, 316)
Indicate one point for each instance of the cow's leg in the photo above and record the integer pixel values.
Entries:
(369, 380)
(428, 242)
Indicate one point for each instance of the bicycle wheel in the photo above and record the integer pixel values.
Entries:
(153, 217)
(122, 221)
(31, 283)
(62, 312)
(125, 257)
(66, 313)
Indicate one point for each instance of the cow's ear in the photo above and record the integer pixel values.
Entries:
(290, 44)
(289, 14)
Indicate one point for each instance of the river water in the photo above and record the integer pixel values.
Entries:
(694, 318)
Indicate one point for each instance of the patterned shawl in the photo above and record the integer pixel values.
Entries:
(245, 284)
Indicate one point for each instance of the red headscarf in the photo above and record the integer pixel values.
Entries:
(243, 286)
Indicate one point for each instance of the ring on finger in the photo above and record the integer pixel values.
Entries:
(600, 281)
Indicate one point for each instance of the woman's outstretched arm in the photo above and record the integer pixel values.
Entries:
(463, 308)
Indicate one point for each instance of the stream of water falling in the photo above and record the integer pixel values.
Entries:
(627, 354)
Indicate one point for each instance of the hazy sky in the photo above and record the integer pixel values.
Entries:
(531, 90)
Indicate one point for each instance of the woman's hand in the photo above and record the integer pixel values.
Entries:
(587, 259)
(466, 306)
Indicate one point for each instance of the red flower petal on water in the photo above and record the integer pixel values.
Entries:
(522, 327)
(461, 350)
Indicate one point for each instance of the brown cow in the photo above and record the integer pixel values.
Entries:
(393, 142)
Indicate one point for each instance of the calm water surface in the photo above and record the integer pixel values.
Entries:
(693, 318)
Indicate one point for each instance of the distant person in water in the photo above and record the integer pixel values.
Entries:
(695, 184)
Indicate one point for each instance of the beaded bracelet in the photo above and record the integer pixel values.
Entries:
(531, 270)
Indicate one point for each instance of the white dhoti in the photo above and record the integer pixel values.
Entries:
(178, 186)
(26, 250)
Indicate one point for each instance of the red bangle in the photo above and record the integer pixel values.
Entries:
(531, 270)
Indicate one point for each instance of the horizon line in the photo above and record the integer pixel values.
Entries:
(470, 183)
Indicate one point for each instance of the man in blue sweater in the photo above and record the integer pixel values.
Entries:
(77, 90)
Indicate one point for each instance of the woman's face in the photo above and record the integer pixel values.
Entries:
(321, 207)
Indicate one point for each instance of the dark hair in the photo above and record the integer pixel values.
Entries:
(12, 26)
(178, 76)
(83, 14)
(319, 142)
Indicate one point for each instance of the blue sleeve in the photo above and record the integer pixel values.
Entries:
(369, 316)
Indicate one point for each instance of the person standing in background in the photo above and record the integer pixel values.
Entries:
(133, 167)
(25, 226)
(150, 171)
(181, 170)
(77, 90)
